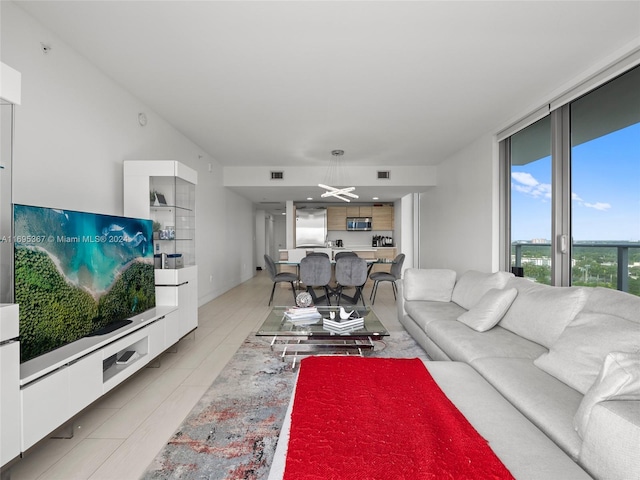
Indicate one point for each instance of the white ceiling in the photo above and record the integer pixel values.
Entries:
(391, 83)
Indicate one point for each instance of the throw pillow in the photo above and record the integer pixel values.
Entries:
(428, 284)
(619, 379)
(541, 312)
(577, 356)
(472, 285)
(485, 314)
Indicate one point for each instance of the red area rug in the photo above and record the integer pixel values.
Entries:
(379, 418)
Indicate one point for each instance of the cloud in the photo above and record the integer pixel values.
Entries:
(525, 179)
(598, 206)
(527, 184)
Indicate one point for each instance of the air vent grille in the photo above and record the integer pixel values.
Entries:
(385, 175)
(277, 175)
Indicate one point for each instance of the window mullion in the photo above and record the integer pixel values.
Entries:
(561, 198)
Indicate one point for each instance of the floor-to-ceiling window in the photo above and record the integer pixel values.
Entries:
(605, 184)
(531, 200)
(597, 237)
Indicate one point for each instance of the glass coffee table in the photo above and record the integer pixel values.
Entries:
(308, 337)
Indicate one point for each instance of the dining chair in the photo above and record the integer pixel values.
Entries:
(315, 271)
(392, 275)
(279, 277)
(344, 254)
(351, 271)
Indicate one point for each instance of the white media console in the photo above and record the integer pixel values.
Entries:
(43, 394)
(72, 377)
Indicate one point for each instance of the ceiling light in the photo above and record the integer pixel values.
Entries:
(333, 175)
(375, 198)
(309, 198)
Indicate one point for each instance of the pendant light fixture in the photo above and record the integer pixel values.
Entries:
(333, 175)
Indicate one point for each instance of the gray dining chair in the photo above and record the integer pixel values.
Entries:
(279, 277)
(344, 254)
(315, 271)
(392, 275)
(351, 271)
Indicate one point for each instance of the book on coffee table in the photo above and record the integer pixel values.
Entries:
(301, 315)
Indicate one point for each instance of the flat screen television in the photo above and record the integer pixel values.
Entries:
(78, 274)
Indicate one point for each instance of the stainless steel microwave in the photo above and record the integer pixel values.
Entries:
(360, 224)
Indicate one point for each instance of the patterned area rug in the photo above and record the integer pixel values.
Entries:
(233, 430)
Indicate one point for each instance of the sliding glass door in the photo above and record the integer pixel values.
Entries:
(605, 183)
(574, 191)
(531, 201)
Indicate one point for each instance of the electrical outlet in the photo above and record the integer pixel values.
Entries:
(210, 278)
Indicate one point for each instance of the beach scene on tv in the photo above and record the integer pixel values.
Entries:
(77, 273)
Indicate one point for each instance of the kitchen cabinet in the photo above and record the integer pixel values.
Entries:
(366, 211)
(359, 211)
(382, 217)
(337, 218)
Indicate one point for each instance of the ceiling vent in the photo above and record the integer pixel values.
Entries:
(277, 175)
(384, 175)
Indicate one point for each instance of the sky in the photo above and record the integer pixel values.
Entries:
(605, 176)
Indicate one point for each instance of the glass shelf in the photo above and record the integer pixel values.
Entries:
(173, 213)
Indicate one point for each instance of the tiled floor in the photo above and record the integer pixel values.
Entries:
(119, 435)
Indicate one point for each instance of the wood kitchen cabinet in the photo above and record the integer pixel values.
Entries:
(336, 218)
(359, 211)
(366, 211)
(353, 211)
(382, 217)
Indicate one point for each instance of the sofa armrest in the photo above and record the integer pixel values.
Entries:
(610, 446)
(428, 284)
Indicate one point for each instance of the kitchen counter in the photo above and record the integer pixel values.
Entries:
(364, 251)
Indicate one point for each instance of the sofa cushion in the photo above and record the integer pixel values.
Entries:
(546, 401)
(610, 446)
(541, 312)
(463, 344)
(473, 285)
(435, 285)
(424, 313)
(613, 302)
(619, 379)
(533, 455)
(577, 356)
(489, 310)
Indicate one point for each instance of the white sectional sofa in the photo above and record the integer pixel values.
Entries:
(567, 358)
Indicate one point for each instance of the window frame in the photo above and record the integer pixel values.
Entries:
(559, 111)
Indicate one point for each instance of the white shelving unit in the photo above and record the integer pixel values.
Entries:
(164, 191)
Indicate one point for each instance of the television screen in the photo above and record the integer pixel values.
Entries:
(76, 274)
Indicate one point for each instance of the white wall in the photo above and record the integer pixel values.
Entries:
(459, 216)
(404, 227)
(76, 126)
